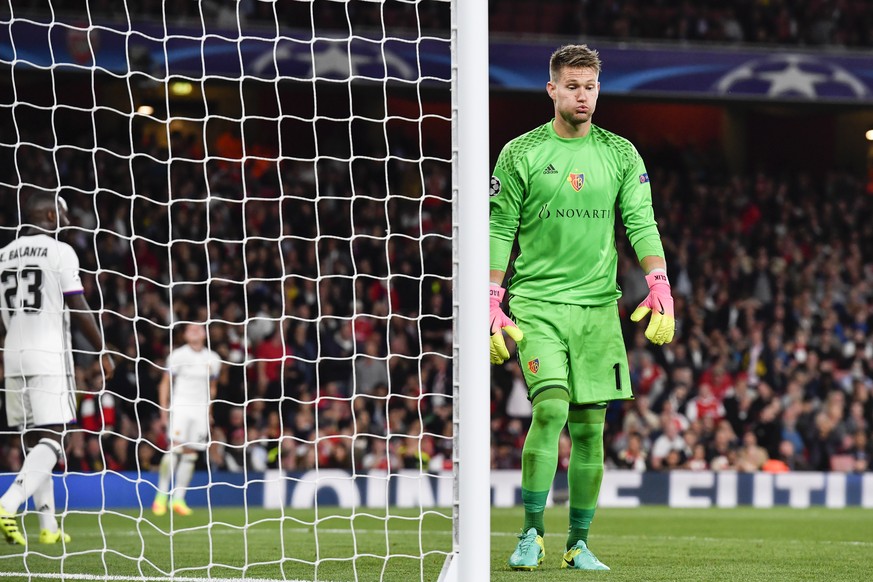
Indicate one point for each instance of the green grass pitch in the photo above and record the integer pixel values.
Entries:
(737, 545)
(642, 544)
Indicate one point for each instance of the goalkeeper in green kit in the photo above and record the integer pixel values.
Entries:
(558, 187)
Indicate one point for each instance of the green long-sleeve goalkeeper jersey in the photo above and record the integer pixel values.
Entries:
(560, 195)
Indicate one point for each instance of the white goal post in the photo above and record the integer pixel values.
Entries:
(307, 179)
(470, 117)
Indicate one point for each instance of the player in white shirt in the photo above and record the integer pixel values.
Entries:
(192, 376)
(40, 293)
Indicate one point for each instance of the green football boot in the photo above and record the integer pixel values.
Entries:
(530, 551)
(579, 557)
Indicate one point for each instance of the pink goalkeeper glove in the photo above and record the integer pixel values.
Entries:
(660, 303)
(499, 324)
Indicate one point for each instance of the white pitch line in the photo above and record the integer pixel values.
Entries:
(499, 534)
(239, 532)
(113, 578)
(704, 539)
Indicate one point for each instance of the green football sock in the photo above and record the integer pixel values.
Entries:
(580, 523)
(586, 469)
(539, 458)
(534, 509)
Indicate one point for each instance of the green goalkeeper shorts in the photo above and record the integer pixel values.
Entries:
(579, 349)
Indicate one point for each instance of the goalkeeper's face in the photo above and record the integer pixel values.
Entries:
(575, 93)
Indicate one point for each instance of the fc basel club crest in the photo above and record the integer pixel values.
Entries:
(534, 365)
(576, 180)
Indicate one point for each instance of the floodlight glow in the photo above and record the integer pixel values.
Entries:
(181, 88)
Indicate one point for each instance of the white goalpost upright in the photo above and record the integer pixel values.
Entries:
(470, 119)
(309, 180)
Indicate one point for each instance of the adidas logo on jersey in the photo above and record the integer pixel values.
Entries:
(550, 170)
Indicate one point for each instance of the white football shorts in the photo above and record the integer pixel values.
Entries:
(40, 401)
(189, 427)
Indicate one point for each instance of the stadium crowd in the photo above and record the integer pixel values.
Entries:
(826, 22)
(846, 23)
(319, 368)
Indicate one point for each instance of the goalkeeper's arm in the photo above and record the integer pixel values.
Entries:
(499, 321)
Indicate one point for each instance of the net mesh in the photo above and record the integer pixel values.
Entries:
(280, 171)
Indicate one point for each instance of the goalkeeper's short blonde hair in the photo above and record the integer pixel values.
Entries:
(573, 55)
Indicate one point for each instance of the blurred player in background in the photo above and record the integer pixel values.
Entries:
(558, 187)
(40, 293)
(192, 377)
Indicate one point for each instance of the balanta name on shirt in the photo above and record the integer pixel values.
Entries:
(25, 252)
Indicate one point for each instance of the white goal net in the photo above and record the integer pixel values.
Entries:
(280, 172)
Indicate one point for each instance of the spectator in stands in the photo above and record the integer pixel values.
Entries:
(768, 429)
(96, 410)
(704, 405)
(669, 440)
(717, 377)
(790, 432)
(633, 456)
(75, 454)
(640, 418)
(145, 457)
(272, 356)
(94, 455)
(441, 459)
(750, 456)
(305, 352)
(698, 461)
(791, 457)
(860, 452)
(649, 378)
(856, 422)
(340, 454)
(287, 452)
(118, 455)
(738, 405)
(722, 448)
(371, 368)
